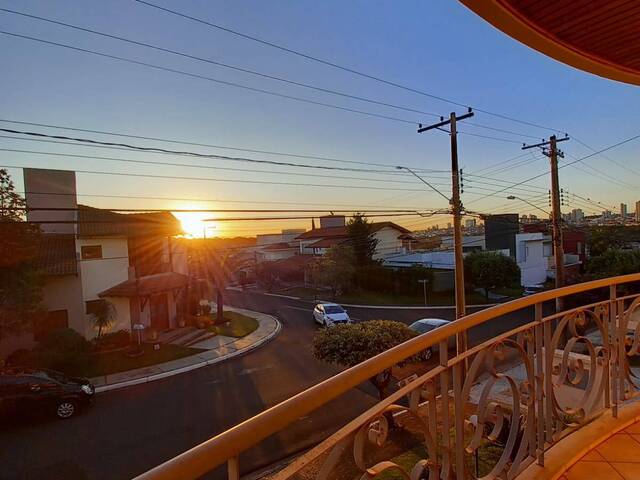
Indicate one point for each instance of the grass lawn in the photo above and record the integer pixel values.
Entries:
(239, 325)
(115, 362)
(381, 298)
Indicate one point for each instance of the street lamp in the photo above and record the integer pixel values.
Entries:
(513, 197)
(424, 282)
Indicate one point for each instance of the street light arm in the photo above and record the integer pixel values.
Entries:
(425, 182)
(513, 197)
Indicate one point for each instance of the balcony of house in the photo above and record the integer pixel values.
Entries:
(541, 395)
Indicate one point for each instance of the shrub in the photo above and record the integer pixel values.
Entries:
(65, 340)
(112, 340)
(350, 344)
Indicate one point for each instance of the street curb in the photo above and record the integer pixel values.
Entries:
(412, 307)
(188, 368)
(387, 307)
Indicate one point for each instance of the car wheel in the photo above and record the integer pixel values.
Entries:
(66, 409)
(428, 353)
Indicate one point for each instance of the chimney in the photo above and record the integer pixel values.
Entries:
(51, 189)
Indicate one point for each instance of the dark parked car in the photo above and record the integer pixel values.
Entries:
(25, 391)
(426, 325)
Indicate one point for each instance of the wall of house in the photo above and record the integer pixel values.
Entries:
(123, 315)
(273, 255)
(100, 274)
(531, 257)
(179, 258)
(64, 292)
(389, 243)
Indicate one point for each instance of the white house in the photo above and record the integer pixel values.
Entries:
(392, 238)
(271, 247)
(91, 255)
(534, 255)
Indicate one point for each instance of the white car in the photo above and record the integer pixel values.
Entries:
(426, 325)
(330, 314)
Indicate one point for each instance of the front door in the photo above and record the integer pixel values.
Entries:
(159, 310)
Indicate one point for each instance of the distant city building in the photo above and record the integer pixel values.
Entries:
(500, 232)
(623, 210)
(449, 225)
(606, 215)
(470, 223)
(576, 215)
(638, 211)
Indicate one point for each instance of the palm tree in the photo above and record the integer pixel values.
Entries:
(221, 268)
(104, 314)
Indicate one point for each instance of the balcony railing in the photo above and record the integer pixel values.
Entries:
(486, 412)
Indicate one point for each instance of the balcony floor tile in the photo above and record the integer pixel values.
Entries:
(593, 471)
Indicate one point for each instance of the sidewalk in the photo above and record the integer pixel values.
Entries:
(219, 348)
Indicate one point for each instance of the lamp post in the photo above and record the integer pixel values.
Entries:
(424, 282)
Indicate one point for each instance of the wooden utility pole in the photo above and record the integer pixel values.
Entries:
(556, 214)
(456, 210)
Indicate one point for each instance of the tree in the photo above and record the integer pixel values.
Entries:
(613, 262)
(20, 280)
(335, 269)
(103, 314)
(222, 267)
(361, 240)
(490, 270)
(350, 344)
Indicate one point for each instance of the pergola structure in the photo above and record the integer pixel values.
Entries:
(598, 36)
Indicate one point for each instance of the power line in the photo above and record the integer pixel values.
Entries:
(209, 167)
(246, 87)
(224, 65)
(211, 79)
(224, 147)
(341, 67)
(75, 144)
(196, 199)
(566, 164)
(176, 152)
(208, 179)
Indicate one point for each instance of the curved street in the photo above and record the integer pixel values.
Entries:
(128, 431)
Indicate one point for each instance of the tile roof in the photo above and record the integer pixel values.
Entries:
(342, 231)
(57, 255)
(96, 222)
(327, 242)
(147, 285)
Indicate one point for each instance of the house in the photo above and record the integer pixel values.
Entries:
(91, 255)
(533, 253)
(392, 238)
(277, 246)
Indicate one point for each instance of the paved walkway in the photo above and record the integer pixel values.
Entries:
(617, 458)
(218, 348)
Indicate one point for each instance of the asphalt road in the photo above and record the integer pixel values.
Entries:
(128, 431)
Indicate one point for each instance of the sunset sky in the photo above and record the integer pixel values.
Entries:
(437, 46)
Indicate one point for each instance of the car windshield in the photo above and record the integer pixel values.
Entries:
(333, 309)
(50, 375)
(421, 327)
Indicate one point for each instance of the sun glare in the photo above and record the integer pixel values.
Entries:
(194, 225)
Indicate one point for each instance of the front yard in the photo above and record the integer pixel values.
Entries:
(238, 325)
(114, 362)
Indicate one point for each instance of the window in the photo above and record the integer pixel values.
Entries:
(92, 306)
(547, 249)
(89, 252)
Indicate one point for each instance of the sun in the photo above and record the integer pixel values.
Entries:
(194, 225)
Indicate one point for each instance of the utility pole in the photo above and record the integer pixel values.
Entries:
(456, 210)
(556, 214)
